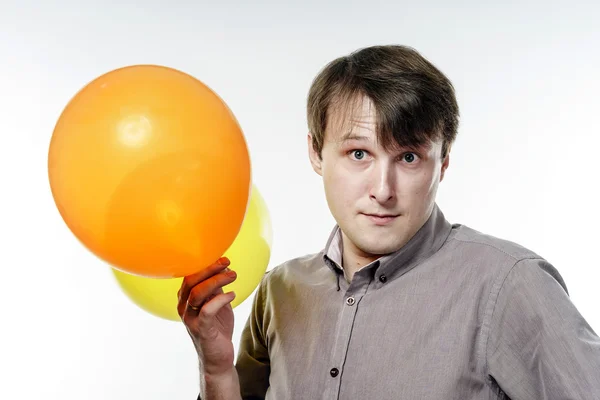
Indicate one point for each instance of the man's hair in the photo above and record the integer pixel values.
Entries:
(414, 102)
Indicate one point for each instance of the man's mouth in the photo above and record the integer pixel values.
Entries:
(381, 219)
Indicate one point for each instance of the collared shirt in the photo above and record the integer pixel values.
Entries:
(454, 314)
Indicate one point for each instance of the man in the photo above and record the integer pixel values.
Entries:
(400, 303)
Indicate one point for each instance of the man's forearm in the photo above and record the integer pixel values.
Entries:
(222, 387)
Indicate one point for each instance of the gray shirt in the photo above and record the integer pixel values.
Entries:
(455, 314)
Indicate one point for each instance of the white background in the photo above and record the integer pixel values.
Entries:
(524, 168)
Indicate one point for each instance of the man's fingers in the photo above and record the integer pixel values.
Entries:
(188, 311)
(203, 290)
(192, 280)
(212, 307)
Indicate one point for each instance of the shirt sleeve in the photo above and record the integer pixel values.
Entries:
(253, 365)
(540, 346)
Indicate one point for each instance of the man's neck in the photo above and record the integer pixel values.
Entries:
(353, 260)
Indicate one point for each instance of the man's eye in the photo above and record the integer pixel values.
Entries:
(358, 154)
(409, 157)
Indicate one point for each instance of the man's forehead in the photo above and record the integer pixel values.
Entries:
(349, 125)
(355, 110)
(355, 120)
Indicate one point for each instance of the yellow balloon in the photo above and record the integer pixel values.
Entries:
(249, 255)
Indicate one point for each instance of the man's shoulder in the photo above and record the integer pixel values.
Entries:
(471, 239)
(495, 257)
(299, 266)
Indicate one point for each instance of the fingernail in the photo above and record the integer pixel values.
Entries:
(223, 261)
(231, 274)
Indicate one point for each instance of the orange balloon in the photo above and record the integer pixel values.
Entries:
(150, 170)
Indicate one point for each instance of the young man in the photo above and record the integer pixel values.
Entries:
(400, 303)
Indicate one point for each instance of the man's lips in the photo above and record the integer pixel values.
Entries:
(381, 219)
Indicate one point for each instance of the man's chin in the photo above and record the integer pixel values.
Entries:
(379, 248)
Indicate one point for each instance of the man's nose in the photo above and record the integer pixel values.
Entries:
(383, 186)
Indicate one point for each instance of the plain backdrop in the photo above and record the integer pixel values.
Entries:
(524, 167)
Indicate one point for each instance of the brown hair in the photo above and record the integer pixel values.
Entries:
(414, 102)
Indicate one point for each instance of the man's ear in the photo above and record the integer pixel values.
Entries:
(315, 159)
(445, 165)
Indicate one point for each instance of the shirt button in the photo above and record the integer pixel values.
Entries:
(350, 301)
(334, 372)
(383, 279)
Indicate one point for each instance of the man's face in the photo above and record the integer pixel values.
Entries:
(379, 199)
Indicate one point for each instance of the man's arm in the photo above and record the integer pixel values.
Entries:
(249, 379)
(253, 364)
(540, 347)
(224, 387)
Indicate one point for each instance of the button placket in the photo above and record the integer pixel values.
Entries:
(344, 329)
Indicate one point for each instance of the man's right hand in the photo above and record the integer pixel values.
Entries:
(208, 316)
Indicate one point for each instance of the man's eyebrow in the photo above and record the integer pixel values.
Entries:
(353, 136)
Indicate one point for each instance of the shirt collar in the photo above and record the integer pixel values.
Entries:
(426, 242)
